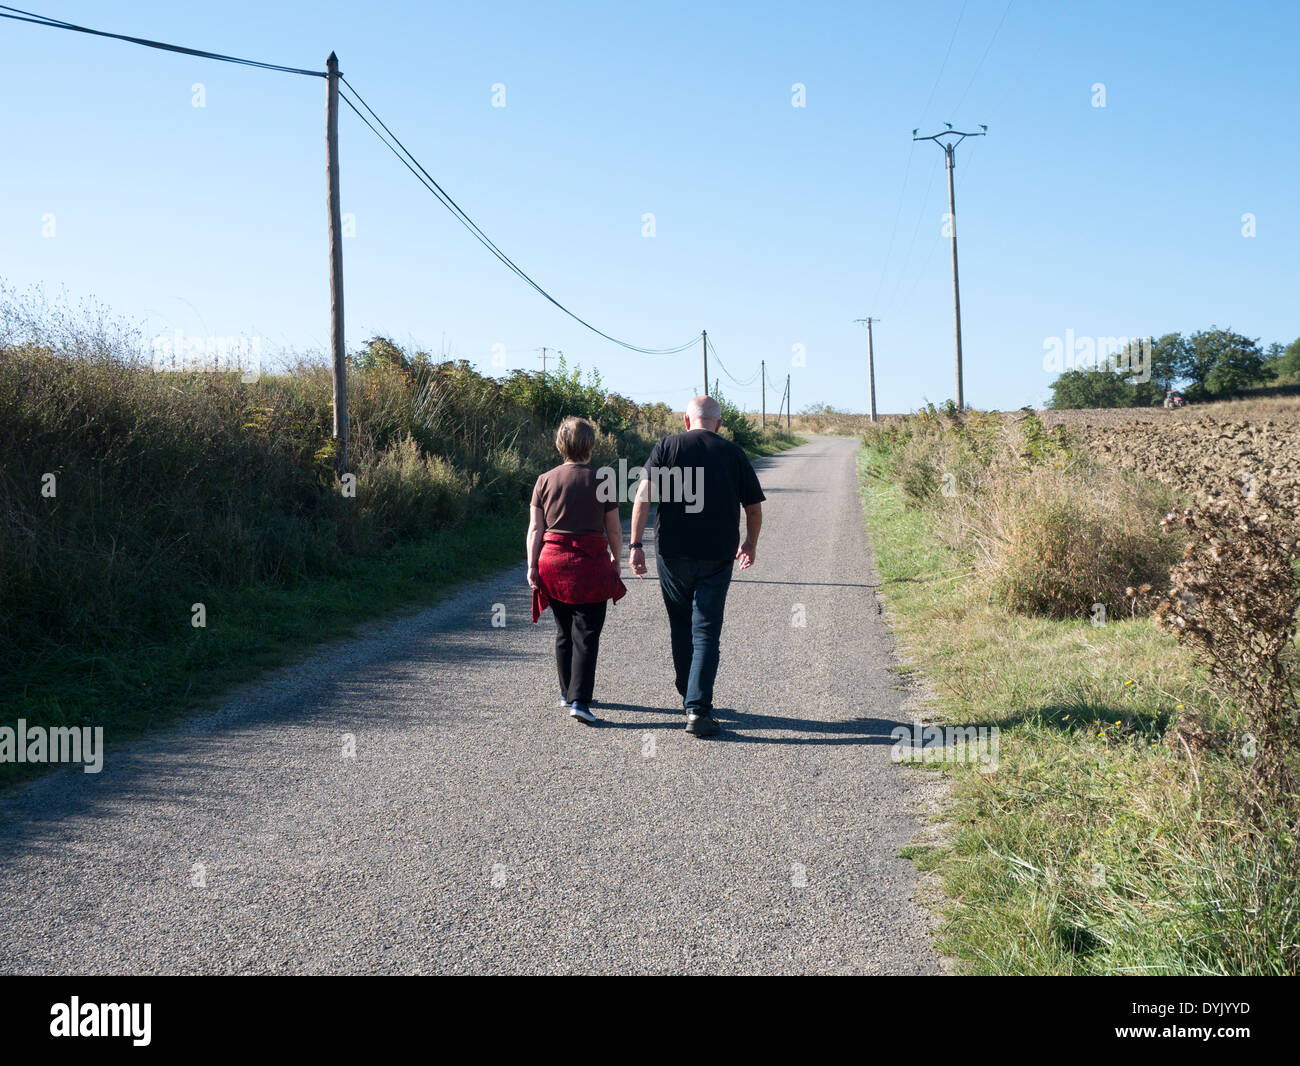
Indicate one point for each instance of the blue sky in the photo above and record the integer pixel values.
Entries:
(775, 226)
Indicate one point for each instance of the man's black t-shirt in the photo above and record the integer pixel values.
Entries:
(701, 481)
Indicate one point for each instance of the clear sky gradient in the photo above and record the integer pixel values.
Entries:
(775, 226)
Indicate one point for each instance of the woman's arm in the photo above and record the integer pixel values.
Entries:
(533, 542)
(614, 534)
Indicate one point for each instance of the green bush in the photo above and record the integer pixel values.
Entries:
(738, 424)
(409, 494)
(172, 486)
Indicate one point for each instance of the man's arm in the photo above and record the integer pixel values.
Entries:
(640, 513)
(748, 551)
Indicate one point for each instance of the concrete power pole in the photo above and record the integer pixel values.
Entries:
(339, 354)
(871, 362)
(948, 147)
(762, 369)
(704, 350)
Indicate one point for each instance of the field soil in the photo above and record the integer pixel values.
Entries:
(1203, 450)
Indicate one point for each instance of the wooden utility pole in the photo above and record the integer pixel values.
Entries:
(762, 366)
(948, 146)
(956, 289)
(544, 349)
(871, 363)
(704, 348)
(336, 261)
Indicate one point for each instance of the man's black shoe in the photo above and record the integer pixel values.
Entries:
(701, 725)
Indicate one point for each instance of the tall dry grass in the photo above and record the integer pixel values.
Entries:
(1048, 529)
(128, 494)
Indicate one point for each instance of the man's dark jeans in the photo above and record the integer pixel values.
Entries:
(695, 593)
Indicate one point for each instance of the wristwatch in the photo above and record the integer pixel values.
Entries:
(635, 545)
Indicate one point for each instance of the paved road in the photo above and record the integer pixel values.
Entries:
(479, 829)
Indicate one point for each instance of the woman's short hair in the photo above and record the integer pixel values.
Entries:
(575, 439)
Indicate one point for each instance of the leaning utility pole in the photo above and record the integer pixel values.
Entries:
(948, 147)
(704, 349)
(871, 362)
(336, 261)
(762, 369)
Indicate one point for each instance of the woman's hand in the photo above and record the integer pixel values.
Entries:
(534, 578)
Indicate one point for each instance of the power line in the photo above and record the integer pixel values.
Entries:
(736, 380)
(907, 170)
(412, 164)
(938, 237)
(997, 108)
(944, 65)
(18, 15)
(893, 230)
(987, 48)
(925, 199)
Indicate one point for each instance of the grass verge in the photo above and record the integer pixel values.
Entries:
(1094, 847)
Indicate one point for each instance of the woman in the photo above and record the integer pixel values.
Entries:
(575, 544)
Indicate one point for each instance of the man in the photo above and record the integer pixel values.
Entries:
(703, 480)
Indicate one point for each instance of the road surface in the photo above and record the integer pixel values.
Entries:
(478, 829)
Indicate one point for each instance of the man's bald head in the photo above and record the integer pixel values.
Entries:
(703, 412)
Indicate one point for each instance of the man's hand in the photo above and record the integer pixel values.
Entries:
(637, 562)
(746, 553)
(534, 578)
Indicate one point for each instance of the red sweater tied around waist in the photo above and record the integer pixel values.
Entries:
(576, 568)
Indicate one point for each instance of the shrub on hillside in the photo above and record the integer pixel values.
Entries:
(407, 493)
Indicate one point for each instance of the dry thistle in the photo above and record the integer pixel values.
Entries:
(1233, 599)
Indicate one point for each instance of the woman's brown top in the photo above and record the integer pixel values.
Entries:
(567, 497)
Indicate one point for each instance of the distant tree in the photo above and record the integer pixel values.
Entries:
(1287, 366)
(1219, 362)
(1075, 389)
(1167, 354)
